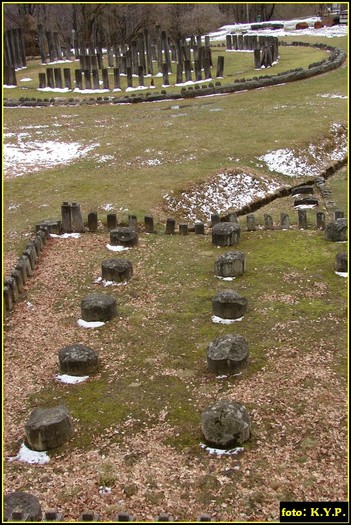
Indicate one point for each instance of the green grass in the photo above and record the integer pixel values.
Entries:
(166, 318)
(155, 351)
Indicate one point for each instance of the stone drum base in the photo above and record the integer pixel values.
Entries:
(228, 354)
(78, 360)
(98, 307)
(124, 236)
(228, 304)
(230, 264)
(226, 424)
(48, 428)
(117, 270)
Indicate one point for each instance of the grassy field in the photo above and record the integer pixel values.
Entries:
(137, 421)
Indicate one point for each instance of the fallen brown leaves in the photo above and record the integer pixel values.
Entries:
(297, 404)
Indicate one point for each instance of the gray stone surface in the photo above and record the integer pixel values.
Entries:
(78, 360)
(98, 307)
(336, 230)
(226, 424)
(22, 502)
(48, 428)
(117, 270)
(229, 304)
(230, 264)
(341, 262)
(228, 354)
(124, 236)
(225, 234)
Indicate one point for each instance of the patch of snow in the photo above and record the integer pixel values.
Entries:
(222, 452)
(105, 490)
(54, 90)
(35, 156)
(342, 274)
(71, 380)
(91, 324)
(116, 248)
(288, 30)
(228, 190)
(225, 278)
(26, 80)
(27, 455)
(66, 235)
(220, 320)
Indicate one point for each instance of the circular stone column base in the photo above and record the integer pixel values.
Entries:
(225, 424)
(228, 304)
(225, 234)
(228, 354)
(98, 307)
(48, 428)
(78, 360)
(117, 270)
(124, 236)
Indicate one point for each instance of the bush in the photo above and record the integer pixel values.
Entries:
(163, 92)
(211, 85)
(218, 83)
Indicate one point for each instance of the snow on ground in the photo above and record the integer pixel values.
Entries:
(225, 191)
(289, 29)
(24, 157)
(233, 189)
(313, 159)
(26, 455)
(71, 380)
(222, 452)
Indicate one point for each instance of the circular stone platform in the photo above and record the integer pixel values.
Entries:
(78, 360)
(225, 234)
(98, 307)
(228, 304)
(228, 354)
(48, 428)
(124, 236)
(225, 424)
(117, 270)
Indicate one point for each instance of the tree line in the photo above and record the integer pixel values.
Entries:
(104, 24)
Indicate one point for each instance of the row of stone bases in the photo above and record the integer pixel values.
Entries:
(22, 506)
(224, 424)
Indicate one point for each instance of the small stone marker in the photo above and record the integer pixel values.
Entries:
(336, 230)
(228, 304)
(230, 264)
(302, 219)
(228, 354)
(48, 428)
(78, 360)
(284, 221)
(225, 234)
(149, 224)
(199, 228)
(124, 236)
(111, 221)
(117, 270)
(226, 424)
(92, 221)
(22, 502)
(98, 307)
(251, 222)
(183, 229)
(341, 262)
(170, 226)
